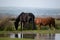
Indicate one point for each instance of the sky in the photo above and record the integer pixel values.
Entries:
(31, 3)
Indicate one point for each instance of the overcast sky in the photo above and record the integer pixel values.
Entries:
(31, 3)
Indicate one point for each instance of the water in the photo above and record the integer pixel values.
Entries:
(35, 36)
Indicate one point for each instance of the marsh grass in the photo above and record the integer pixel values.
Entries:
(6, 38)
(8, 25)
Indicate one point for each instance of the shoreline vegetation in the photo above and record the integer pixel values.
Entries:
(27, 32)
(7, 25)
(31, 31)
(6, 38)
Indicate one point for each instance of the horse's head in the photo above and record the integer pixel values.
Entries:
(16, 25)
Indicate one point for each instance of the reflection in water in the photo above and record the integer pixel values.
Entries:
(45, 36)
(29, 36)
(33, 36)
(16, 35)
(13, 35)
(52, 36)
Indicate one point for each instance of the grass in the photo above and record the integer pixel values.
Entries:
(14, 39)
(30, 31)
(57, 31)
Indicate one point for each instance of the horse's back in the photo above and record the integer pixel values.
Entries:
(44, 21)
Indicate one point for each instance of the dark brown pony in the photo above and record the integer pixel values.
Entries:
(24, 19)
(45, 21)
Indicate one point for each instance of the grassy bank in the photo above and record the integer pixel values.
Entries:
(31, 31)
(14, 39)
(6, 25)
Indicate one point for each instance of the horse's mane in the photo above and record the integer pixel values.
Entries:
(18, 18)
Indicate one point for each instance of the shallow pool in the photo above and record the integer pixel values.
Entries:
(35, 36)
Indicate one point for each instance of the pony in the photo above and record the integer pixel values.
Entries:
(24, 19)
(45, 21)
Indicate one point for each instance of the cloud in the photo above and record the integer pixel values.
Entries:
(30, 3)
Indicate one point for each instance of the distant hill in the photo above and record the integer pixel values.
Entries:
(14, 16)
(15, 11)
(54, 16)
(2, 15)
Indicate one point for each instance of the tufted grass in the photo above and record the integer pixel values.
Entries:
(6, 38)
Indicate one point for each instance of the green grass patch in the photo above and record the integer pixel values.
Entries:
(29, 31)
(14, 39)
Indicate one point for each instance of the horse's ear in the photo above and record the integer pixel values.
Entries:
(22, 12)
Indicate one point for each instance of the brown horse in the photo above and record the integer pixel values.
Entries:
(45, 21)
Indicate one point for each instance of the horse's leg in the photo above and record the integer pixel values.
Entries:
(27, 26)
(39, 26)
(33, 26)
(21, 29)
(31, 23)
(24, 25)
(49, 26)
(21, 26)
(53, 26)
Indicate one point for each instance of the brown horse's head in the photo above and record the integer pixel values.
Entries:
(37, 21)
